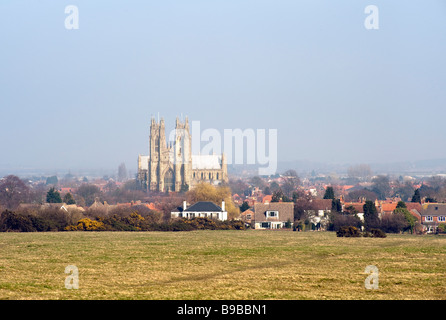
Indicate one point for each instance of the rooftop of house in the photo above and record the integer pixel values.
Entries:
(202, 206)
(388, 207)
(249, 211)
(321, 204)
(434, 209)
(286, 210)
(267, 198)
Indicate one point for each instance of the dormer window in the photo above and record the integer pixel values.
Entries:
(272, 214)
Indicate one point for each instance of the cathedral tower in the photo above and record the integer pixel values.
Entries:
(172, 167)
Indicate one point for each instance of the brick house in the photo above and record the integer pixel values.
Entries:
(274, 215)
(432, 215)
(247, 216)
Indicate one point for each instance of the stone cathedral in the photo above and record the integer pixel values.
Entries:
(172, 167)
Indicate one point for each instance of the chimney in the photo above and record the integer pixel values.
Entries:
(223, 205)
(184, 205)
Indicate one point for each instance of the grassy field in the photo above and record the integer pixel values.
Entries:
(220, 265)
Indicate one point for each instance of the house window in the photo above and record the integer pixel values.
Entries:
(442, 218)
(248, 216)
(272, 214)
(429, 219)
(265, 225)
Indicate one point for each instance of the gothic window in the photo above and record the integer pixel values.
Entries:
(169, 182)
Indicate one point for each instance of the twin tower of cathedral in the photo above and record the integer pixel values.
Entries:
(173, 167)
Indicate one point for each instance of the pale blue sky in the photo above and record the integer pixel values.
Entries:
(335, 91)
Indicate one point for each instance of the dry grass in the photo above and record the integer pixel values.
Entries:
(220, 265)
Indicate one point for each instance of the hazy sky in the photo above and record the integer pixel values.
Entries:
(335, 91)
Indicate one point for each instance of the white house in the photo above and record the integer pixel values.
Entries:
(202, 209)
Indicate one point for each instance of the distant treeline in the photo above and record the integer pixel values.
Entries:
(58, 220)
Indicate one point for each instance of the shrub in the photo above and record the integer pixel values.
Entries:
(212, 224)
(87, 224)
(377, 233)
(40, 224)
(348, 231)
(55, 218)
(394, 223)
(338, 220)
(11, 221)
(441, 228)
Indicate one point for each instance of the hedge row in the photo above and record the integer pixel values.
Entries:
(350, 231)
(10, 221)
(135, 222)
(51, 221)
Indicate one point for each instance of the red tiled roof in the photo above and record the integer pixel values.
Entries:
(267, 198)
(414, 205)
(388, 207)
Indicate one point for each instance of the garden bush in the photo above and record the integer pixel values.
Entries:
(348, 231)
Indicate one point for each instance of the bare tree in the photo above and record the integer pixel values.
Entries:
(381, 186)
(290, 183)
(88, 192)
(13, 191)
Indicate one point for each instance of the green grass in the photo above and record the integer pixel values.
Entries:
(220, 265)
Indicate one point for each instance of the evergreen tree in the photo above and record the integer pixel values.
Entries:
(68, 199)
(416, 196)
(336, 205)
(401, 204)
(371, 219)
(53, 196)
(329, 193)
(244, 206)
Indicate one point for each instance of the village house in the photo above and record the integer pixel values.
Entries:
(432, 215)
(237, 199)
(354, 207)
(318, 212)
(201, 209)
(274, 215)
(107, 208)
(247, 216)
